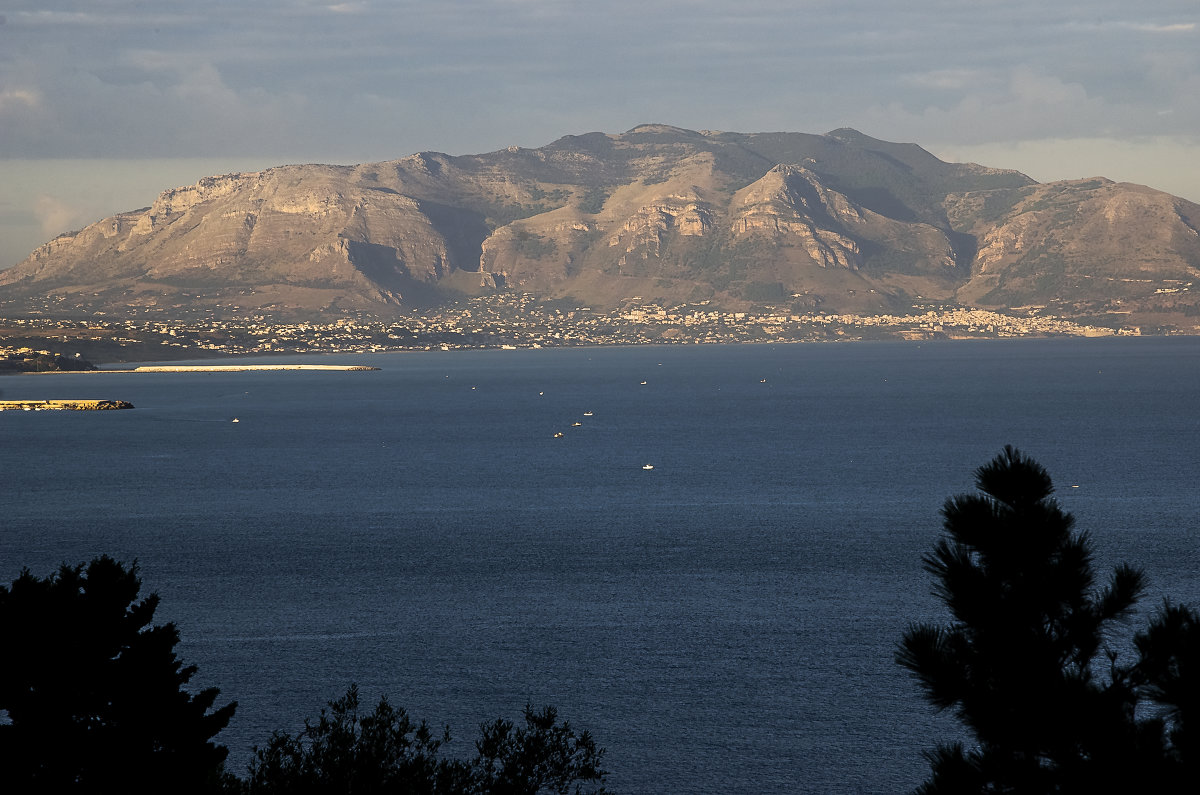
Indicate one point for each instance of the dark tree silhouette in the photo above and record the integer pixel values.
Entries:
(1168, 675)
(385, 751)
(1021, 665)
(91, 693)
(345, 752)
(543, 756)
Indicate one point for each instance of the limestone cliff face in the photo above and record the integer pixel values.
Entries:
(789, 204)
(174, 202)
(1083, 240)
(652, 224)
(660, 212)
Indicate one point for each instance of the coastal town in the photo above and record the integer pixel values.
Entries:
(503, 321)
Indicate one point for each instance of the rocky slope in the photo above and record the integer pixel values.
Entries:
(841, 222)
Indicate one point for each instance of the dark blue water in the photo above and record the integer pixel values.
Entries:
(722, 622)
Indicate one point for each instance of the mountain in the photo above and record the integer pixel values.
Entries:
(837, 222)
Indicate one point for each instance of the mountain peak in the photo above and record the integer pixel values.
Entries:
(849, 135)
(661, 129)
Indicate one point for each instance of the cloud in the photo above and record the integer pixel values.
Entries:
(56, 18)
(945, 79)
(1015, 108)
(14, 98)
(358, 80)
(1179, 27)
(55, 216)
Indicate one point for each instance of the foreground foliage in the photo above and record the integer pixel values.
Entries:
(1024, 664)
(386, 752)
(93, 692)
(92, 699)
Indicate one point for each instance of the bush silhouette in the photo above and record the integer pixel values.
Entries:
(384, 751)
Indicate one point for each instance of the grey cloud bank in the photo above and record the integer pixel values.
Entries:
(1114, 86)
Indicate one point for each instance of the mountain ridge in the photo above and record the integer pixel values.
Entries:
(839, 222)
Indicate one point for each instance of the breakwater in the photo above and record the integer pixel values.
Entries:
(64, 405)
(232, 368)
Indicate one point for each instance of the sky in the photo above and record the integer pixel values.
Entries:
(106, 103)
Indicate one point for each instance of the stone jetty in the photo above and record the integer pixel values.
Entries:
(234, 368)
(63, 405)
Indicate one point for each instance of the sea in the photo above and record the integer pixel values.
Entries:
(703, 555)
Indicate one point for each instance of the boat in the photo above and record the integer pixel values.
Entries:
(558, 435)
(587, 413)
(647, 466)
(576, 424)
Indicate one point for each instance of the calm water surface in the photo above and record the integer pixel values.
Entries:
(723, 622)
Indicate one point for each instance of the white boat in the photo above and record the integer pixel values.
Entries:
(647, 466)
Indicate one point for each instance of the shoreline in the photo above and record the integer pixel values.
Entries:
(948, 339)
(213, 368)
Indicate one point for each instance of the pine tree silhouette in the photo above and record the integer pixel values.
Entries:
(1023, 664)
